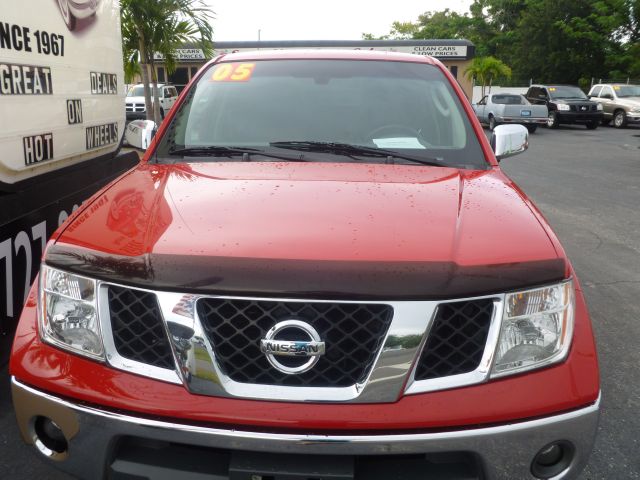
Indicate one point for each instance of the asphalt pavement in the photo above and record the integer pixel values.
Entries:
(587, 184)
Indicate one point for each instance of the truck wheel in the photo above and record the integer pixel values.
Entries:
(492, 123)
(532, 128)
(552, 120)
(593, 124)
(619, 119)
(67, 16)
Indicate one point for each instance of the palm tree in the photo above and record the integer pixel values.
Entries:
(486, 69)
(161, 26)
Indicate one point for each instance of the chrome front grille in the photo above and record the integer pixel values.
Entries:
(375, 351)
(135, 107)
(583, 108)
(353, 334)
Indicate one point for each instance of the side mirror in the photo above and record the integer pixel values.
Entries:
(608, 96)
(509, 140)
(139, 133)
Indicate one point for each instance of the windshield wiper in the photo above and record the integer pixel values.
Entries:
(223, 151)
(350, 150)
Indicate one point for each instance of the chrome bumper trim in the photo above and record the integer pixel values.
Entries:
(506, 451)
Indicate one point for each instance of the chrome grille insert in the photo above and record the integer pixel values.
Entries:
(137, 328)
(457, 339)
(353, 334)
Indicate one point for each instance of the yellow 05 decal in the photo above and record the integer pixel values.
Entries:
(233, 72)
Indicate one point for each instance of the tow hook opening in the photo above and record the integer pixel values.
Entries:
(552, 459)
(49, 438)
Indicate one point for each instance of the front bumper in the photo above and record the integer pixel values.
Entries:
(503, 452)
(633, 117)
(522, 120)
(579, 117)
(136, 116)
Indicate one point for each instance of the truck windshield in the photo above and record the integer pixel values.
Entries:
(318, 110)
(627, 90)
(510, 100)
(567, 92)
(136, 92)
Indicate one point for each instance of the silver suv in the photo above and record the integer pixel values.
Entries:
(620, 102)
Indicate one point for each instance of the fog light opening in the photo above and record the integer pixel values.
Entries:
(552, 459)
(49, 438)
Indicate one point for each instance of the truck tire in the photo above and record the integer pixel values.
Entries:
(619, 119)
(552, 120)
(492, 123)
(67, 16)
(532, 128)
(593, 124)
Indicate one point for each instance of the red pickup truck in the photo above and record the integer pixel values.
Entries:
(318, 271)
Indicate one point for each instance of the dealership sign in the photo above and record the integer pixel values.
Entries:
(184, 54)
(449, 52)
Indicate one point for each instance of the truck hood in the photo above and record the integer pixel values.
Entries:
(135, 99)
(629, 101)
(574, 101)
(337, 230)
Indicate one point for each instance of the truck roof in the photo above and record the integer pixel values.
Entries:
(338, 54)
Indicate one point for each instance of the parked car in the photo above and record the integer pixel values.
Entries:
(498, 108)
(620, 103)
(566, 104)
(72, 10)
(318, 270)
(136, 108)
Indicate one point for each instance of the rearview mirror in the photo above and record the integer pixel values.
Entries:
(509, 140)
(139, 133)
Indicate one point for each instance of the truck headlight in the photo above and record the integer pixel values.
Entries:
(563, 107)
(537, 327)
(635, 109)
(68, 313)
(599, 107)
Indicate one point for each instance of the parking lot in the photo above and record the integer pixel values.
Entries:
(587, 184)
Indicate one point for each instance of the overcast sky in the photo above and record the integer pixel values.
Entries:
(317, 20)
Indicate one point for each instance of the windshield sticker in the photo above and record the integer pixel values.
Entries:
(398, 142)
(616, 88)
(233, 72)
(552, 89)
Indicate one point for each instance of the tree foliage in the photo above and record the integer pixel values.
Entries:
(486, 69)
(544, 40)
(152, 27)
